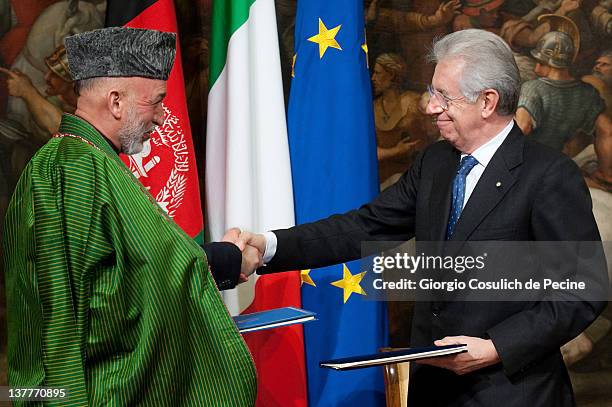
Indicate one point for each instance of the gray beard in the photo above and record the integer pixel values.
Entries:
(605, 79)
(132, 134)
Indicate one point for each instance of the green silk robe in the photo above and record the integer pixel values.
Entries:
(107, 296)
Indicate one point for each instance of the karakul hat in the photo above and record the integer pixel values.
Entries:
(121, 52)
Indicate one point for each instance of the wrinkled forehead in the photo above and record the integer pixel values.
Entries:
(605, 60)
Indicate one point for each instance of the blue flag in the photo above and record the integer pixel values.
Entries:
(333, 159)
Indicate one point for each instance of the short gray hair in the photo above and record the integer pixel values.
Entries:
(86, 85)
(489, 64)
(94, 84)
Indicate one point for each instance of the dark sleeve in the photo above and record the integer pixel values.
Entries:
(224, 260)
(338, 238)
(562, 212)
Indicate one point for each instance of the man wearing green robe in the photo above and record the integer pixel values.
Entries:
(107, 297)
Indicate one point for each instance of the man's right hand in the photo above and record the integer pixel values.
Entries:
(251, 261)
(252, 246)
(255, 240)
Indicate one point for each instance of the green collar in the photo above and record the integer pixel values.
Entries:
(77, 126)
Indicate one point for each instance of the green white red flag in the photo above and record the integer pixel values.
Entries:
(248, 178)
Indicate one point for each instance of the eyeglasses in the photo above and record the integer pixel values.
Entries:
(442, 99)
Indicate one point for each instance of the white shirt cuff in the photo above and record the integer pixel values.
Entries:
(271, 243)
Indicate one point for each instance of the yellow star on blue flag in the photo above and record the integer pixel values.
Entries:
(325, 89)
(349, 283)
(365, 49)
(326, 38)
(305, 278)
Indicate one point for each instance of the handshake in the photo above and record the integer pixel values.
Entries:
(253, 248)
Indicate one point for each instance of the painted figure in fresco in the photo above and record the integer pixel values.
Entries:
(552, 109)
(555, 106)
(526, 30)
(479, 14)
(408, 30)
(400, 125)
(401, 22)
(601, 78)
(600, 153)
(490, 15)
(524, 33)
(601, 18)
(46, 35)
(59, 88)
(38, 86)
(17, 18)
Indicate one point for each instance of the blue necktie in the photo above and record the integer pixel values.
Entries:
(467, 163)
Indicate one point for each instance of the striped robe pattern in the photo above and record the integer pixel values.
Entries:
(107, 296)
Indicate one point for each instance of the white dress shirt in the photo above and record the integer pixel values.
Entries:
(482, 154)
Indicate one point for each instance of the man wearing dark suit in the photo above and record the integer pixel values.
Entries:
(485, 181)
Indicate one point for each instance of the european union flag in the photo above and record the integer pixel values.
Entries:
(333, 158)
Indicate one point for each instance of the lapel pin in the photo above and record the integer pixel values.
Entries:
(498, 184)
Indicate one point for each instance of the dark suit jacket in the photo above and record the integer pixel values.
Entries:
(224, 260)
(542, 197)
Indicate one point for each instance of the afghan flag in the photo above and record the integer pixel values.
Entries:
(333, 159)
(248, 178)
(167, 165)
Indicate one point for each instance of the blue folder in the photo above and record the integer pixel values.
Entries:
(398, 356)
(272, 319)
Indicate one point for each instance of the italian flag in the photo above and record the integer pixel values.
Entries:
(248, 178)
